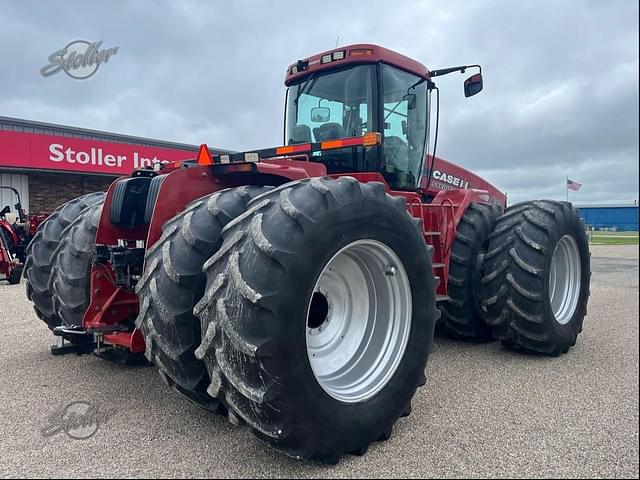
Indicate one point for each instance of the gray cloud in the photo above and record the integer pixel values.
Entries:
(561, 78)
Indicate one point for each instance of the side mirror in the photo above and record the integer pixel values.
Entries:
(320, 114)
(473, 85)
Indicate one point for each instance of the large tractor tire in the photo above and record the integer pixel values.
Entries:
(37, 269)
(173, 282)
(71, 267)
(462, 314)
(318, 316)
(537, 274)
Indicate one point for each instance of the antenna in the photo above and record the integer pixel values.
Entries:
(337, 40)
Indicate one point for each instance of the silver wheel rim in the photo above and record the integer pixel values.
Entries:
(358, 321)
(565, 279)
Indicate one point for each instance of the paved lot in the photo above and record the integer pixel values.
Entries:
(484, 411)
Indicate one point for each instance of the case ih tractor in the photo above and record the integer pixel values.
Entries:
(296, 289)
(16, 231)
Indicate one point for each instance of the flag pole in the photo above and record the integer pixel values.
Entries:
(566, 186)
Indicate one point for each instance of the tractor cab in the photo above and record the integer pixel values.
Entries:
(354, 90)
(349, 98)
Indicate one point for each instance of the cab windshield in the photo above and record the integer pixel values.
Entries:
(331, 106)
(340, 104)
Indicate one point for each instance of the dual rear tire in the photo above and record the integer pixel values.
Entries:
(317, 314)
(42, 250)
(173, 282)
(522, 278)
(536, 279)
(463, 316)
(332, 254)
(71, 267)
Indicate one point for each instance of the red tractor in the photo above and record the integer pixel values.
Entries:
(296, 289)
(16, 231)
(10, 268)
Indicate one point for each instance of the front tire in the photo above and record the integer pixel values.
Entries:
(261, 304)
(537, 275)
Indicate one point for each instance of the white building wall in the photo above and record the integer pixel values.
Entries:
(20, 183)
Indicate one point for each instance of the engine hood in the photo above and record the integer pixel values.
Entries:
(449, 176)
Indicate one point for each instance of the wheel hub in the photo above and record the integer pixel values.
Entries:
(565, 279)
(318, 313)
(358, 321)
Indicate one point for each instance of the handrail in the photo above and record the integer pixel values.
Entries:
(446, 229)
(412, 202)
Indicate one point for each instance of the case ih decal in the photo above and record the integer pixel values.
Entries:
(449, 179)
(449, 176)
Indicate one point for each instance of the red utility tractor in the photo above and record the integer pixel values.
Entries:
(296, 289)
(10, 268)
(16, 231)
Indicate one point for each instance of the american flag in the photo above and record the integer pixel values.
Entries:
(573, 185)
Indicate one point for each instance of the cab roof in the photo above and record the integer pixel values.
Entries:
(351, 55)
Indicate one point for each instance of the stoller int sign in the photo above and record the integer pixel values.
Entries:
(49, 152)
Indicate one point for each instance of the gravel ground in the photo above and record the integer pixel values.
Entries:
(485, 411)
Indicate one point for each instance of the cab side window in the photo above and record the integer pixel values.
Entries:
(403, 127)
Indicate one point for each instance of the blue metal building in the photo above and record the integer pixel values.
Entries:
(610, 217)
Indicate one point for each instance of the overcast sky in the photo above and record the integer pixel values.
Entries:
(560, 96)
